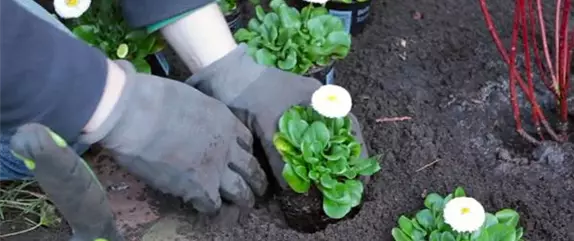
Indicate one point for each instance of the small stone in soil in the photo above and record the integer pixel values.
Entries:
(504, 155)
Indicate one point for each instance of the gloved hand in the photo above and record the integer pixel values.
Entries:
(68, 182)
(181, 142)
(259, 95)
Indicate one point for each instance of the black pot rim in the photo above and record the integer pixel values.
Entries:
(319, 68)
(234, 11)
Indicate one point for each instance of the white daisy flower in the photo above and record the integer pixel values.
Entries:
(317, 1)
(464, 214)
(332, 101)
(71, 8)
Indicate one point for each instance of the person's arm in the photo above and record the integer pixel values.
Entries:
(49, 77)
(195, 29)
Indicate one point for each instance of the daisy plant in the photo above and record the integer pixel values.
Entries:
(100, 24)
(295, 41)
(458, 218)
(321, 152)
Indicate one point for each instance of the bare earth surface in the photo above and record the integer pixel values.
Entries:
(443, 71)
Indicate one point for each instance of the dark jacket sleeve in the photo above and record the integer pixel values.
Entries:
(46, 75)
(142, 13)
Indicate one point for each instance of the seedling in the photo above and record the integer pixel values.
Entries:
(432, 224)
(323, 152)
(295, 41)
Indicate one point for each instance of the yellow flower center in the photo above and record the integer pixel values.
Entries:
(71, 3)
(464, 211)
(332, 98)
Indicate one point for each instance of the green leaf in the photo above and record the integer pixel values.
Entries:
(317, 132)
(296, 130)
(435, 236)
(141, 66)
(355, 189)
(244, 35)
(302, 172)
(355, 148)
(276, 4)
(290, 17)
(158, 46)
(406, 225)
(260, 13)
(337, 152)
(314, 175)
(501, 232)
(508, 217)
(322, 169)
(88, 33)
(425, 219)
(321, 11)
(289, 115)
(335, 210)
(265, 57)
(447, 236)
(434, 202)
(459, 192)
(483, 236)
(372, 167)
(519, 233)
(339, 194)
(137, 35)
(316, 28)
(327, 181)
(282, 144)
(350, 173)
(147, 45)
(338, 167)
(439, 222)
(289, 62)
(295, 182)
(338, 139)
(399, 235)
(490, 220)
(253, 25)
(418, 234)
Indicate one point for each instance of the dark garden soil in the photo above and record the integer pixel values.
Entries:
(433, 61)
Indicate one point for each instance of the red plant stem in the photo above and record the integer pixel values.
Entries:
(512, 78)
(547, 80)
(504, 54)
(564, 78)
(524, 27)
(545, 47)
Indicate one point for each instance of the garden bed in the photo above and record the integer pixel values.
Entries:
(434, 62)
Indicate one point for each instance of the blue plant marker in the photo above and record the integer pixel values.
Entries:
(330, 77)
(162, 62)
(345, 16)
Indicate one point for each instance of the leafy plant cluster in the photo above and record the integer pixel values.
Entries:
(227, 6)
(322, 151)
(104, 27)
(428, 224)
(295, 41)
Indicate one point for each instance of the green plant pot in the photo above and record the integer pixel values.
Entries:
(324, 74)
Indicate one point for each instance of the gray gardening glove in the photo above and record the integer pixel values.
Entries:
(181, 142)
(68, 182)
(259, 95)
